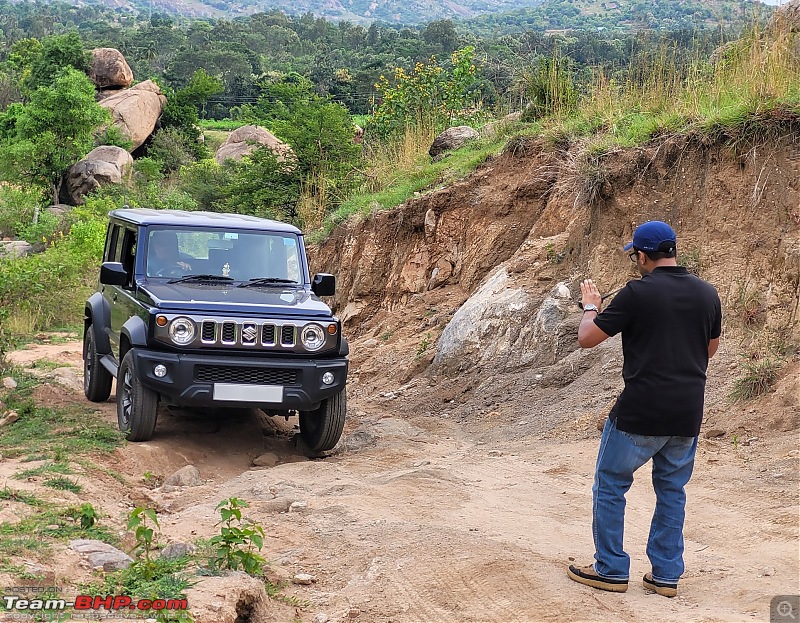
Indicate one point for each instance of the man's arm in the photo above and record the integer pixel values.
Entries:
(712, 347)
(589, 334)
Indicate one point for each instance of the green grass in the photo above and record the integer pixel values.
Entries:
(48, 468)
(424, 175)
(758, 379)
(225, 125)
(63, 484)
(55, 433)
(21, 496)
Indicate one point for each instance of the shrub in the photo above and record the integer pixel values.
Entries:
(759, 377)
(17, 207)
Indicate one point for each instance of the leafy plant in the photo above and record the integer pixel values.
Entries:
(144, 523)
(236, 544)
(423, 345)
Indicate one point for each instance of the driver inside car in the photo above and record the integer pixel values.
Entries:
(163, 259)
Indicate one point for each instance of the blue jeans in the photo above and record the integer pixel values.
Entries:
(619, 456)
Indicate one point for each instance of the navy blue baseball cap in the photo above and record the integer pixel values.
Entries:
(653, 236)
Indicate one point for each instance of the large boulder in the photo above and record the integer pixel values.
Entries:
(243, 141)
(101, 166)
(452, 138)
(109, 69)
(503, 326)
(135, 111)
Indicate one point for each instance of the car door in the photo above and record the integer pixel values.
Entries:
(120, 298)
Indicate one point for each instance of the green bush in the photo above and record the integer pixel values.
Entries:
(17, 207)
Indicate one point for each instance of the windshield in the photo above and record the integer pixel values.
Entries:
(241, 255)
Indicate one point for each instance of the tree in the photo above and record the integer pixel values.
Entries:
(58, 52)
(51, 132)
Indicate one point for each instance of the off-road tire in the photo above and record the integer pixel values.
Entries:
(137, 405)
(321, 428)
(96, 379)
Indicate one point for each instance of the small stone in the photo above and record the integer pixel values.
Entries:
(571, 558)
(9, 418)
(320, 617)
(188, 476)
(296, 507)
(495, 453)
(370, 342)
(304, 578)
(354, 613)
(494, 414)
(768, 572)
(714, 432)
(268, 459)
(9, 383)
(174, 551)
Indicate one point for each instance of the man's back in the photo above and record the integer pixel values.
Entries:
(667, 319)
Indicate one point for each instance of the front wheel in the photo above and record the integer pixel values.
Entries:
(96, 379)
(321, 428)
(137, 405)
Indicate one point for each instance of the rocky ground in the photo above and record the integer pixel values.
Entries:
(444, 514)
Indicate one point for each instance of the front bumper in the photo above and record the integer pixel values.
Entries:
(191, 379)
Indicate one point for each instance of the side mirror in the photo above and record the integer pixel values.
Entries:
(113, 274)
(323, 284)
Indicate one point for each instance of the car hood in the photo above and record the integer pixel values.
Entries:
(229, 299)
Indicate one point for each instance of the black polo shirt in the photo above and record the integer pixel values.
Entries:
(667, 319)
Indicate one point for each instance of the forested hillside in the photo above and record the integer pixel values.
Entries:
(507, 14)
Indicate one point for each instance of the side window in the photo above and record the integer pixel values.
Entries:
(128, 253)
(112, 243)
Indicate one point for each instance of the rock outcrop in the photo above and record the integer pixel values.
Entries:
(109, 69)
(103, 165)
(136, 111)
(15, 248)
(452, 138)
(786, 17)
(243, 141)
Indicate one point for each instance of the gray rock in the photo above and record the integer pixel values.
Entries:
(108, 68)
(370, 342)
(452, 138)
(297, 507)
(243, 141)
(100, 554)
(321, 617)
(268, 459)
(188, 476)
(176, 550)
(15, 248)
(358, 440)
(102, 166)
(304, 578)
(136, 111)
(9, 383)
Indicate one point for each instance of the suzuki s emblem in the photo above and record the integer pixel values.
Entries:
(249, 333)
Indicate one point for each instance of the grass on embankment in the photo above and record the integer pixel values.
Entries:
(752, 89)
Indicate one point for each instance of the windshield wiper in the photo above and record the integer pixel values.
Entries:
(200, 278)
(265, 281)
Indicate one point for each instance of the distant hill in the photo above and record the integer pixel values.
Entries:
(359, 11)
(504, 14)
(623, 14)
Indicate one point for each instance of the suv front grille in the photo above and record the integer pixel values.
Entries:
(236, 374)
(209, 333)
(249, 334)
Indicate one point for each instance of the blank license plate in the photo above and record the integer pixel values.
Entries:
(248, 393)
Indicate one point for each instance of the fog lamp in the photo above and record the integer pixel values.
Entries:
(328, 378)
(160, 370)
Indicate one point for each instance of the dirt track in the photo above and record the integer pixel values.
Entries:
(422, 520)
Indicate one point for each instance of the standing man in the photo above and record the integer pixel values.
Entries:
(670, 322)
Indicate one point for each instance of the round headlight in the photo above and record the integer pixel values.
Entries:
(313, 337)
(181, 331)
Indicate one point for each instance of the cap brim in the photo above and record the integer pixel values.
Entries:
(628, 246)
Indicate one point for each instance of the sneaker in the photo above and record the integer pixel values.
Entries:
(587, 575)
(667, 589)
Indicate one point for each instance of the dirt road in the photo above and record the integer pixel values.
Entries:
(424, 520)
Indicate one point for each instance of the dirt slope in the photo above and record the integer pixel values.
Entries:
(460, 494)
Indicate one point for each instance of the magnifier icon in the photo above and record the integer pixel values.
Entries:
(784, 609)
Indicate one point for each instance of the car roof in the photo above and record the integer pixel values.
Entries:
(147, 216)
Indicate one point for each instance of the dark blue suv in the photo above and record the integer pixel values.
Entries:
(213, 310)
